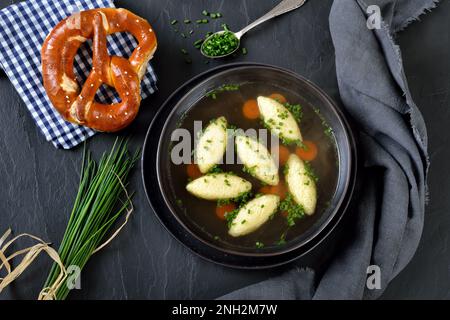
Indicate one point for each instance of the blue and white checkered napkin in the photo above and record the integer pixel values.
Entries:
(23, 28)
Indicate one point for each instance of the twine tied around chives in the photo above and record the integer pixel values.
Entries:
(32, 252)
(93, 214)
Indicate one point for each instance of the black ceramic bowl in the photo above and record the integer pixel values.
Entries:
(157, 153)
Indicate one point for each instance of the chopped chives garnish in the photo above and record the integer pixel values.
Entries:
(174, 22)
(205, 13)
(198, 21)
(183, 35)
(191, 32)
(184, 51)
(244, 51)
(205, 21)
(225, 27)
(213, 15)
(187, 21)
(199, 41)
(218, 15)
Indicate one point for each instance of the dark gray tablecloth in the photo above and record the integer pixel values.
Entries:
(387, 216)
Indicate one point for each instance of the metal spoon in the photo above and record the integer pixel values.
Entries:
(283, 7)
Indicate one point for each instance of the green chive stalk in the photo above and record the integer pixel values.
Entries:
(101, 199)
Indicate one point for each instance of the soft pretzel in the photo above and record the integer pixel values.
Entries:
(77, 104)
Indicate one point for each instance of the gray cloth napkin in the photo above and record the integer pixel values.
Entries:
(388, 211)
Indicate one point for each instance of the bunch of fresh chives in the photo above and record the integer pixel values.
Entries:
(101, 199)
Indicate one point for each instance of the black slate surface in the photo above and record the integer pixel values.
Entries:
(39, 182)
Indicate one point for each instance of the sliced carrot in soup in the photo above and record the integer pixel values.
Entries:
(308, 152)
(280, 190)
(283, 154)
(279, 97)
(193, 171)
(250, 109)
(221, 211)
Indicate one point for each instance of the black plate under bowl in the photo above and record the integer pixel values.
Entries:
(156, 152)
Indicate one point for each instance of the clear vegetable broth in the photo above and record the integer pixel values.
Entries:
(201, 213)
